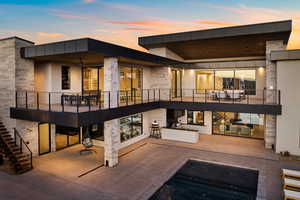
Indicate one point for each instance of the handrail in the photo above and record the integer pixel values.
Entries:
(98, 100)
(21, 140)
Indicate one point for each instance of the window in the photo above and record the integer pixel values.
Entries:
(244, 79)
(93, 78)
(239, 124)
(97, 131)
(131, 127)
(224, 79)
(130, 78)
(65, 78)
(195, 117)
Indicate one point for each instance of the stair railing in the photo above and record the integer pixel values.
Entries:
(21, 142)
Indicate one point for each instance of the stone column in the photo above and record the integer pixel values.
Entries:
(112, 127)
(271, 94)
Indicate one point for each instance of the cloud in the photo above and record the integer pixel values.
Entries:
(88, 1)
(124, 7)
(44, 37)
(251, 15)
(50, 35)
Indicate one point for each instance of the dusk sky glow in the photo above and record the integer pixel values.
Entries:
(123, 21)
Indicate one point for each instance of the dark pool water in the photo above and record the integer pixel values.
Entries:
(209, 181)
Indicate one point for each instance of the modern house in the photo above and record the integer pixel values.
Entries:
(234, 81)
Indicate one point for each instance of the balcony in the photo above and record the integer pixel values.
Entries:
(107, 105)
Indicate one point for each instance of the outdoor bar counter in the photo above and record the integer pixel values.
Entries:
(180, 134)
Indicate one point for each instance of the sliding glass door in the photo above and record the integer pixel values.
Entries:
(238, 124)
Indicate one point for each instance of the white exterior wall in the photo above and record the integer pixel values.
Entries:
(288, 124)
(48, 77)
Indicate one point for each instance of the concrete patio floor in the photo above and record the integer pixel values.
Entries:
(143, 170)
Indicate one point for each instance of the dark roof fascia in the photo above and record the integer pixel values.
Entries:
(85, 45)
(233, 31)
(120, 51)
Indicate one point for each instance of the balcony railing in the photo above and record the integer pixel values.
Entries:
(92, 101)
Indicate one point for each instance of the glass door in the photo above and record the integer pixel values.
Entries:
(176, 83)
(44, 139)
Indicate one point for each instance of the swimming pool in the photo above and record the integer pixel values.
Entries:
(209, 181)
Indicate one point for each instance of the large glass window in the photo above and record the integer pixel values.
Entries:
(66, 136)
(130, 78)
(93, 78)
(131, 127)
(244, 79)
(130, 83)
(238, 124)
(195, 117)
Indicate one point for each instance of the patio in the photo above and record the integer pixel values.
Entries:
(143, 168)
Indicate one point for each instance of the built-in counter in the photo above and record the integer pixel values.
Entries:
(180, 134)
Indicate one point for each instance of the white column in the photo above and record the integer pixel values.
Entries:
(112, 127)
(271, 96)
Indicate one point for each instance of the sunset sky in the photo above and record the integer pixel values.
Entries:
(123, 21)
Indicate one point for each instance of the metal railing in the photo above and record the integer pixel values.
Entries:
(92, 101)
(21, 144)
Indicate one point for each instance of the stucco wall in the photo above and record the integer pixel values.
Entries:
(288, 124)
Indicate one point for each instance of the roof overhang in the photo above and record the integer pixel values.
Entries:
(90, 51)
(236, 41)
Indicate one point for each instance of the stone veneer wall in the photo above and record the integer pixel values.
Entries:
(7, 80)
(271, 96)
(112, 127)
(16, 74)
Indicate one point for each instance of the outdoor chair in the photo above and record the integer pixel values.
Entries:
(291, 195)
(293, 174)
(291, 184)
(87, 143)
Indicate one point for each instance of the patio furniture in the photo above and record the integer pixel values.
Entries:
(87, 143)
(221, 94)
(288, 173)
(291, 184)
(291, 195)
(234, 94)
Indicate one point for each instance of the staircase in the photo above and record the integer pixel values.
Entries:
(16, 150)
